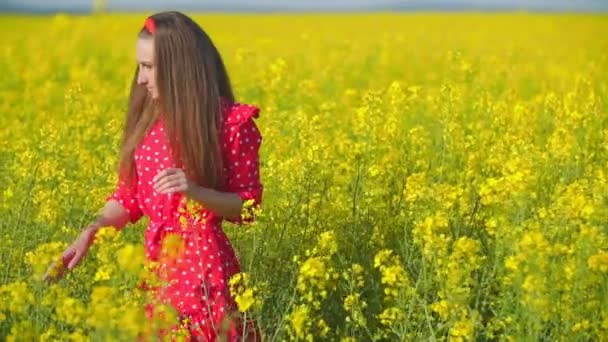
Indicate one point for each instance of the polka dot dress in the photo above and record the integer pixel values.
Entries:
(198, 279)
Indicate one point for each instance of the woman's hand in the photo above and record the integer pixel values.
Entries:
(72, 255)
(173, 180)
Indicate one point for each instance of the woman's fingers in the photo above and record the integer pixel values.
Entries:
(162, 176)
(164, 173)
(167, 179)
(74, 261)
(54, 272)
(170, 187)
(79, 252)
(163, 182)
(69, 259)
(67, 255)
(47, 274)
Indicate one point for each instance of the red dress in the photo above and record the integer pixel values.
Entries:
(199, 287)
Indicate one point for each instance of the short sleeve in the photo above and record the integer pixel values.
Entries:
(243, 163)
(127, 197)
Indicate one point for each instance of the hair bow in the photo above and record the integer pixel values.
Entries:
(149, 25)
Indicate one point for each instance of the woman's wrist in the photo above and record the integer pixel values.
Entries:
(98, 224)
(197, 193)
(225, 204)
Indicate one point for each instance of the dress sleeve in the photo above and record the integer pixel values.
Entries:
(127, 197)
(243, 163)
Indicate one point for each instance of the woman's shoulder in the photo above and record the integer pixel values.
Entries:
(236, 112)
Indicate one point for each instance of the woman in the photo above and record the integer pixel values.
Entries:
(185, 139)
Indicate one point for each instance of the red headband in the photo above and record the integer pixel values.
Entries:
(149, 25)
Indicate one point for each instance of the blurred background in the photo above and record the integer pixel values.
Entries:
(80, 6)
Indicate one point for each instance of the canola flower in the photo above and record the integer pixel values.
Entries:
(430, 187)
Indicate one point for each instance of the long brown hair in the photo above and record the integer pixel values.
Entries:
(192, 84)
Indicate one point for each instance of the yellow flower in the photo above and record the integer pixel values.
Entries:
(382, 258)
(132, 319)
(130, 258)
(322, 327)
(172, 246)
(16, 296)
(327, 243)
(441, 308)
(71, 311)
(391, 316)
(104, 272)
(79, 336)
(512, 263)
(299, 321)
(40, 257)
(598, 262)
(583, 325)
(106, 235)
(245, 300)
(243, 292)
(462, 330)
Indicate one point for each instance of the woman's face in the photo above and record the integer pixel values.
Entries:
(146, 73)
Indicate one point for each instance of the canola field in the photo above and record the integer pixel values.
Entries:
(427, 176)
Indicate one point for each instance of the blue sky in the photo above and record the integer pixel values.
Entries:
(304, 5)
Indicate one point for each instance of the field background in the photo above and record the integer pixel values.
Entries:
(427, 176)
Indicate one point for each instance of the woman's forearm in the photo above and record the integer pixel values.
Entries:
(112, 214)
(225, 204)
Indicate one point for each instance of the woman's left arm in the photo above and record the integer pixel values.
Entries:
(226, 204)
(243, 178)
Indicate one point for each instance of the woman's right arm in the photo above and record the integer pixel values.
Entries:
(112, 214)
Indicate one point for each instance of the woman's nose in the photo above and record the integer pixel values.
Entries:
(141, 79)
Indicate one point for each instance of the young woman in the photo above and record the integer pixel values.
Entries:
(185, 140)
